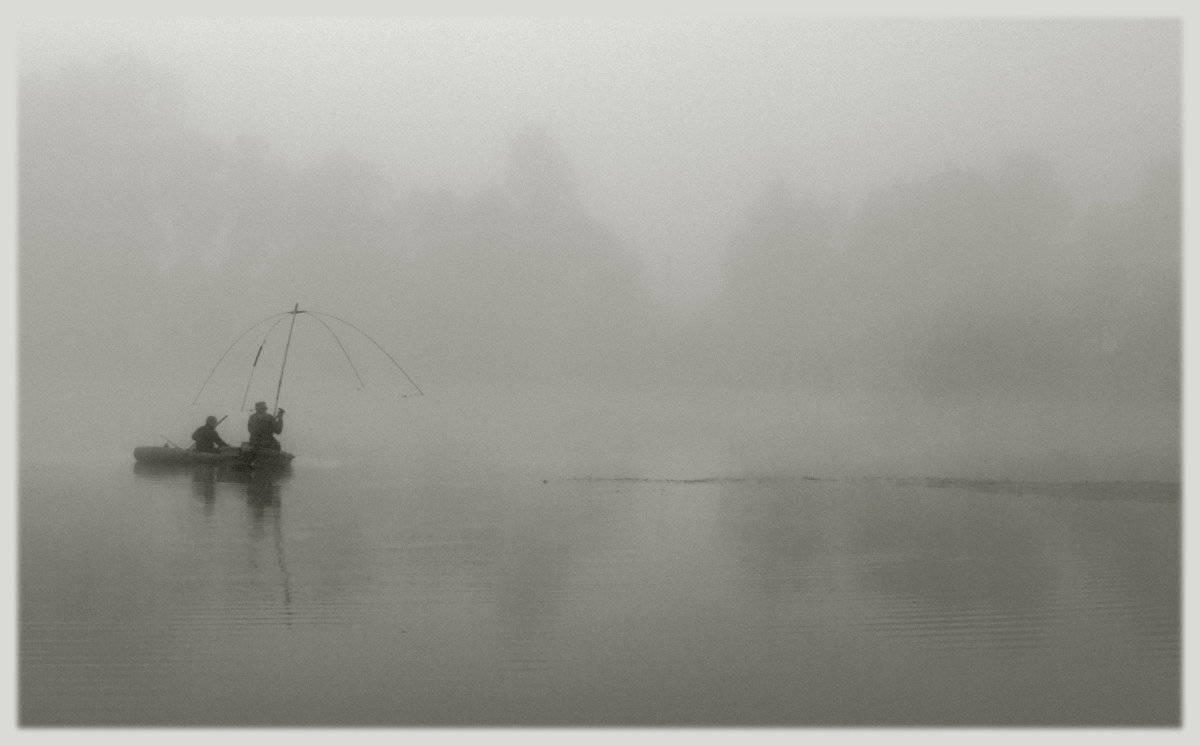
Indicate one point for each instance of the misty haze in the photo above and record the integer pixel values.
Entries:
(662, 372)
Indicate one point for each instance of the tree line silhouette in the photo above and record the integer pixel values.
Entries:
(138, 233)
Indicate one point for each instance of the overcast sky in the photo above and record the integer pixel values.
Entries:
(672, 125)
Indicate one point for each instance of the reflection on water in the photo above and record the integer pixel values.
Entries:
(375, 596)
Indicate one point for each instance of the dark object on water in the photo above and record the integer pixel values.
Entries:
(262, 451)
(319, 318)
(206, 439)
(244, 457)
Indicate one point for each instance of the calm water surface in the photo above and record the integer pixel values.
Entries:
(373, 594)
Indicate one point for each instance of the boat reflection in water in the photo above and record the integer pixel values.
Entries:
(262, 488)
(200, 473)
(262, 485)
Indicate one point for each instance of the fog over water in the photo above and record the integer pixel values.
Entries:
(648, 248)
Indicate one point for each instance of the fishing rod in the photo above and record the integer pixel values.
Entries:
(317, 316)
(342, 347)
(294, 312)
(257, 355)
(226, 353)
(368, 336)
(278, 318)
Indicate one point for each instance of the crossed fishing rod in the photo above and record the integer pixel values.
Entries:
(279, 317)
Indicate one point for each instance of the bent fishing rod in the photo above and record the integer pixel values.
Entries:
(294, 312)
(278, 318)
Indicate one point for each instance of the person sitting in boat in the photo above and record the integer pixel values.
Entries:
(264, 427)
(206, 437)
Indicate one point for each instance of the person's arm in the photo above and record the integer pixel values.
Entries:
(279, 422)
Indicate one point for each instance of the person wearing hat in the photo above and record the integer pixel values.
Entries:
(264, 427)
(206, 438)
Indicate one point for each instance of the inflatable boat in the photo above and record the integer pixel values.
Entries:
(244, 456)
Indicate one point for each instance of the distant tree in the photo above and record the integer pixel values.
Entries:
(540, 176)
(584, 289)
(1126, 290)
(524, 283)
(986, 284)
(962, 234)
(775, 307)
(781, 253)
(118, 197)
